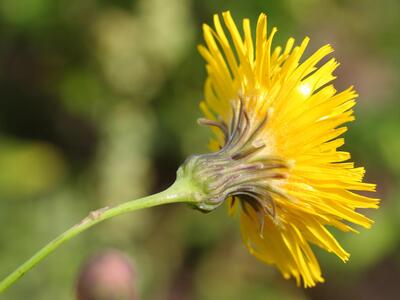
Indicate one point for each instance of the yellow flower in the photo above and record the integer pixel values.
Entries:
(281, 119)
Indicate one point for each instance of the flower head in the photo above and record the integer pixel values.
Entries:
(277, 121)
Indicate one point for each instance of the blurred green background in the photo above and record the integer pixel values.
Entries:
(99, 101)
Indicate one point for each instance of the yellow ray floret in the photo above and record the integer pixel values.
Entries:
(305, 116)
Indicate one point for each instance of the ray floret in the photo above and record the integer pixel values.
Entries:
(277, 120)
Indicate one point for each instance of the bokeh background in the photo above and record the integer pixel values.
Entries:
(99, 101)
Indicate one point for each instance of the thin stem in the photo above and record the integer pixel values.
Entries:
(180, 191)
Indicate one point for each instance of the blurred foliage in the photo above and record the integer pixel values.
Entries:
(98, 106)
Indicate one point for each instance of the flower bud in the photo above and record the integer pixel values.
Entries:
(107, 276)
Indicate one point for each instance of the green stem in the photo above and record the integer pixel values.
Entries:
(180, 191)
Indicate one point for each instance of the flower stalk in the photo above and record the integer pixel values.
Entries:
(181, 191)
